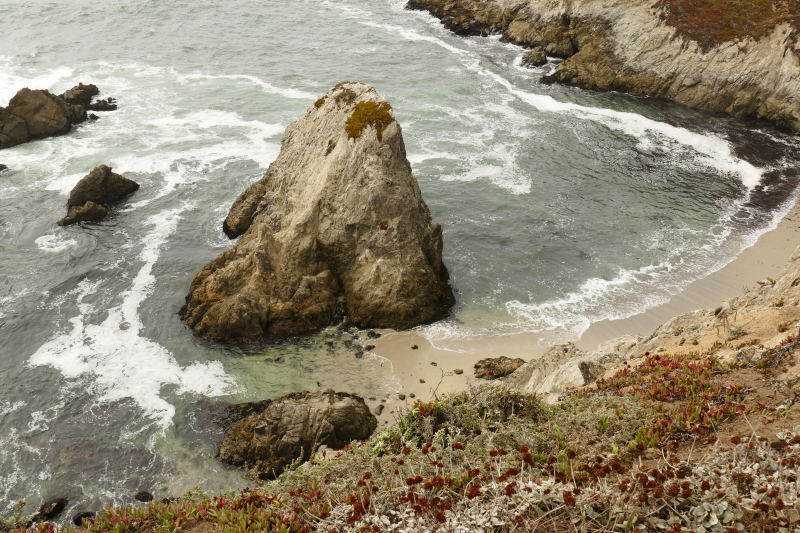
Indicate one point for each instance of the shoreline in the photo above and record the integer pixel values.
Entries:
(766, 258)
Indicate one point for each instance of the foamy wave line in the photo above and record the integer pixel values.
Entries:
(123, 364)
(11, 81)
(265, 86)
(714, 151)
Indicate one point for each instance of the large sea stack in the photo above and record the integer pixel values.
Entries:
(336, 226)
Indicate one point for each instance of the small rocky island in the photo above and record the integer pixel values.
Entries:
(337, 227)
(37, 114)
(100, 188)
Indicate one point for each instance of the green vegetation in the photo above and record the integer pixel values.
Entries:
(492, 459)
(369, 114)
(713, 22)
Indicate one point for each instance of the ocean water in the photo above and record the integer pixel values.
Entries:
(560, 207)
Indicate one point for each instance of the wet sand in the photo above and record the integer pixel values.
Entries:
(766, 258)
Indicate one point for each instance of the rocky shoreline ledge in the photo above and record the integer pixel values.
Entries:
(693, 428)
(725, 56)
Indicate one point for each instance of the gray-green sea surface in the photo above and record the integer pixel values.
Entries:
(560, 208)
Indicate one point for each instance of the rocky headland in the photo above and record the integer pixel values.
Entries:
(336, 228)
(728, 56)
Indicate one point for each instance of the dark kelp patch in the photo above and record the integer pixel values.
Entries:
(369, 114)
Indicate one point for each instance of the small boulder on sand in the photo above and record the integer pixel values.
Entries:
(496, 367)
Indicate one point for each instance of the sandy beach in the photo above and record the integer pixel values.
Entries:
(430, 369)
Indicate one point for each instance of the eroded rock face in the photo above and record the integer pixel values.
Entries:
(100, 187)
(497, 367)
(88, 212)
(623, 45)
(81, 94)
(274, 433)
(336, 226)
(36, 114)
(564, 367)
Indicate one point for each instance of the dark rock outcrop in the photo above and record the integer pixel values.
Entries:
(336, 227)
(276, 432)
(629, 46)
(79, 518)
(534, 58)
(51, 509)
(3, 168)
(100, 187)
(88, 212)
(103, 105)
(81, 95)
(497, 367)
(36, 114)
(143, 496)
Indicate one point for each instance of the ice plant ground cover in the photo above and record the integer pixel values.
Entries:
(658, 446)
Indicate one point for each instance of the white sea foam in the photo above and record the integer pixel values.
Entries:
(711, 150)
(265, 86)
(113, 356)
(12, 79)
(57, 242)
(64, 184)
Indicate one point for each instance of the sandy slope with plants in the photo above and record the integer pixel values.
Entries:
(685, 437)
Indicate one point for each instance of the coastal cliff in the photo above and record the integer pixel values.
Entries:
(726, 56)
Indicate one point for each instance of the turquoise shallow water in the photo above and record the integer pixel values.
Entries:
(560, 208)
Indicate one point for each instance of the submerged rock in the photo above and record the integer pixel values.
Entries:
(274, 433)
(337, 224)
(36, 114)
(496, 367)
(3, 168)
(80, 517)
(143, 496)
(100, 186)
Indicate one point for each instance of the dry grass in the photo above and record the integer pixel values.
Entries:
(712, 22)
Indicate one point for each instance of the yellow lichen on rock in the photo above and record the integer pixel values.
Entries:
(369, 114)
